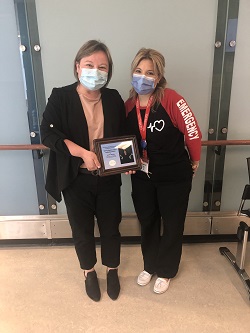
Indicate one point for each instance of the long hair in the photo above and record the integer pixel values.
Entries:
(89, 48)
(159, 68)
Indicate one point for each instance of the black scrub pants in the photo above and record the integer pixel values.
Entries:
(89, 196)
(155, 201)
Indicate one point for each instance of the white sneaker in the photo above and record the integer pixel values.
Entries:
(161, 285)
(144, 278)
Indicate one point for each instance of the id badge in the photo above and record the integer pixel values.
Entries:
(145, 165)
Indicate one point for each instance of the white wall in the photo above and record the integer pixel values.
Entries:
(182, 30)
(18, 194)
(236, 173)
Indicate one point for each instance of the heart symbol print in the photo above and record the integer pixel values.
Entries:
(157, 125)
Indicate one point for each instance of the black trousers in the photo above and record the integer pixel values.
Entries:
(157, 201)
(91, 196)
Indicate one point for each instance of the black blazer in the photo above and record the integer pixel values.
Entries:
(64, 118)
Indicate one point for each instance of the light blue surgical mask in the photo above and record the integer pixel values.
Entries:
(142, 84)
(93, 78)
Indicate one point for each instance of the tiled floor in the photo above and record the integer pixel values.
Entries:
(42, 290)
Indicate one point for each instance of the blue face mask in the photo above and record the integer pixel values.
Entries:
(142, 84)
(93, 79)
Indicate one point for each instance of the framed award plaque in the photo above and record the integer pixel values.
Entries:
(117, 154)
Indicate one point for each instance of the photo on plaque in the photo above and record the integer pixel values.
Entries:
(126, 152)
(117, 155)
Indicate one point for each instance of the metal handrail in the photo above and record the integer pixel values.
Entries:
(203, 143)
(23, 147)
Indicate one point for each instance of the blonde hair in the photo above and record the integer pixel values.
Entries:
(89, 48)
(158, 61)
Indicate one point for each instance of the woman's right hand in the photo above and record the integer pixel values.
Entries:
(90, 160)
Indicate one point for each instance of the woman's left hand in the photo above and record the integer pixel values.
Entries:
(130, 172)
(195, 166)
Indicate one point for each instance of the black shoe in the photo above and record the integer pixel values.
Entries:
(92, 286)
(113, 284)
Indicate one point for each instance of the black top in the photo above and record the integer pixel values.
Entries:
(64, 118)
